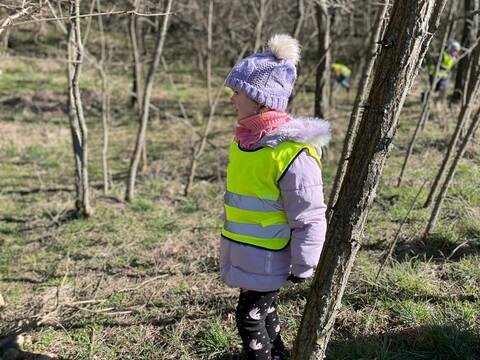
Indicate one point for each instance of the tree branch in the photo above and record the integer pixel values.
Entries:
(118, 12)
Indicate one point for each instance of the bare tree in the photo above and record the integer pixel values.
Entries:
(469, 97)
(404, 46)
(469, 35)
(137, 96)
(136, 67)
(451, 172)
(77, 120)
(105, 101)
(300, 18)
(427, 96)
(132, 173)
(322, 87)
(359, 99)
(261, 15)
(197, 150)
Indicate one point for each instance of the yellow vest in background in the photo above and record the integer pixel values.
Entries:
(342, 69)
(254, 213)
(448, 62)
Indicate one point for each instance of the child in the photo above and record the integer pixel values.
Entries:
(449, 59)
(274, 210)
(341, 74)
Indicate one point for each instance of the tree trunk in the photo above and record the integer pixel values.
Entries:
(262, 13)
(428, 96)
(77, 120)
(5, 37)
(132, 173)
(359, 99)
(299, 18)
(469, 36)
(137, 97)
(72, 117)
(473, 84)
(105, 103)
(137, 66)
(404, 46)
(451, 172)
(322, 86)
(209, 53)
(212, 104)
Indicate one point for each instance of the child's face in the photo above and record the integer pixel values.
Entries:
(244, 106)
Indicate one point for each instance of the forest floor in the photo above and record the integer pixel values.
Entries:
(140, 280)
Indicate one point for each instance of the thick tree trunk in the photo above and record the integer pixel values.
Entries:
(404, 46)
(451, 172)
(77, 120)
(132, 173)
(428, 96)
(473, 84)
(359, 99)
(469, 36)
(322, 87)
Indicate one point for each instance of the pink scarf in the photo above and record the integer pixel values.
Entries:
(253, 128)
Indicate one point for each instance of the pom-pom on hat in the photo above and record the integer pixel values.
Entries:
(268, 77)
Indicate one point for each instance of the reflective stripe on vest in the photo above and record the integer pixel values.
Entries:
(251, 202)
(254, 211)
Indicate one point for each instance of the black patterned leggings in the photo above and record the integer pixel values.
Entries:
(258, 324)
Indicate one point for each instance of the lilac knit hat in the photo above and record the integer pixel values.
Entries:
(268, 77)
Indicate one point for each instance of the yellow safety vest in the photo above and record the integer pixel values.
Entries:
(254, 212)
(342, 69)
(445, 67)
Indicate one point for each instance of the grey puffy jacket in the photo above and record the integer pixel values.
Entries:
(301, 190)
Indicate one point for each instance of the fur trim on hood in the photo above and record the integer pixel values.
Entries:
(312, 131)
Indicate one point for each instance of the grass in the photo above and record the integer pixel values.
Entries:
(147, 272)
(215, 339)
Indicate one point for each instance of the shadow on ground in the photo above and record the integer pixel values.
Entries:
(436, 247)
(425, 342)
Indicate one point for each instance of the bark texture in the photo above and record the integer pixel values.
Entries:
(404, 45)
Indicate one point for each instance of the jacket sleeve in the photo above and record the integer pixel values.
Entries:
(301, 189)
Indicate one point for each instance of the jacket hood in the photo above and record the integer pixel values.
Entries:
(312, 131)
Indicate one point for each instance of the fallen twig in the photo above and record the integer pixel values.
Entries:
(143, 283)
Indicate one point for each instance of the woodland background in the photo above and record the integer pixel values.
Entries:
(108, 248)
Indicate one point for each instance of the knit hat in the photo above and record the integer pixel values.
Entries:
(268, 77)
